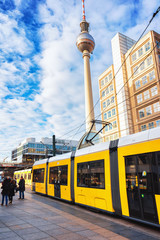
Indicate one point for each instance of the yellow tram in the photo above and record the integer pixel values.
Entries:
(121, 177)
(27, 175)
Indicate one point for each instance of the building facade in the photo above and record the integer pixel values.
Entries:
(30, 151)
(134, 86)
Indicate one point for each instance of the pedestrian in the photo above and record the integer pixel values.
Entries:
(5, 190)
(12, 190)
(21, 188)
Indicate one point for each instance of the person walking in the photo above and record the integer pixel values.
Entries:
(5, 190)
(12, 190)
(21, 188)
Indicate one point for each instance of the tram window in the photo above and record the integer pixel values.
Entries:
(58, 175)
(29, 176)
(38, 175)
(53, 175)
(91, 174)
(18, 176)
(25, 176)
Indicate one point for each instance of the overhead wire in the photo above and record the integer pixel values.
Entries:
(85, 121)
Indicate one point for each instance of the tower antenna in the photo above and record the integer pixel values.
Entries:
(83, 11)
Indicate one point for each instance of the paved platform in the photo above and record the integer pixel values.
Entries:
(39, 217)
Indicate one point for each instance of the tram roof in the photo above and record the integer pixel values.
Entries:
(60, 157)
(144, 136)
(40, 162)
(92, 149)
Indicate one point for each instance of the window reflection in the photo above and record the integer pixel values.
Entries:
(38, 175)
(58, 175)
(91, 174)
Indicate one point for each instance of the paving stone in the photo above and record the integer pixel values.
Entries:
(42, 218)
(45, 228)
(55, 232)
(22, 226)
(86, 233)
(72, 236)
(35, 236)
(8, 235)
(22, 232)
(4, 229)
(97, 237)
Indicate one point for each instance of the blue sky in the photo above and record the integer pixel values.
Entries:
(41, 70)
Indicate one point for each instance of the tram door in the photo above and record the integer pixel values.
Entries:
(57, 192)
(141, 174)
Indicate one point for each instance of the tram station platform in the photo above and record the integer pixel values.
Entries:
(40, 217)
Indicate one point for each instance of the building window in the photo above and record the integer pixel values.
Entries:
(146, 95)
(134, 57)
(151, 75)
(139, 98)
(142, 66)
(135, 70)
(112, 99)
(140, 52)
(116, 135)
(111, 88)
(144, 80)
(110, 76)
(109, 114)
(91, 174)
(114, 124)
(107, 139)
(156, 107)
(106, 128)
(110, 126)
(138, 84)
(151, 125)
(143, 127)
(158, 123)
(107, 90)
(113, 112)
(102, 83)
(103, 93)
(158, 44)
(147, 46)
(105, 115)
(149, 60)
(154, 91)
(108, 102)
(106, 80)
(104, 105)
(111, 137)
(141, 113)
(148, 110)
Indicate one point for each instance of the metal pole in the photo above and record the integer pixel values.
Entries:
(54, 145)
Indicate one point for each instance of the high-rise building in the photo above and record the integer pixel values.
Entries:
(130, 88)
(30, 150)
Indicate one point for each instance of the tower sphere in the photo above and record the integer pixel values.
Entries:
(85, 42)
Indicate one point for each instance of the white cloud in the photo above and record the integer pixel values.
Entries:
(58, 106)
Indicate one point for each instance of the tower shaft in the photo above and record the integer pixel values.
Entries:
(85, 43)
(89, 108)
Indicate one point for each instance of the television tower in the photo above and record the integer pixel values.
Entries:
(85, 43)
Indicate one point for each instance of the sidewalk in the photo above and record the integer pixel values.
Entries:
(38, 217)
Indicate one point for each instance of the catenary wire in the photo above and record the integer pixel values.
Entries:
(85, 121)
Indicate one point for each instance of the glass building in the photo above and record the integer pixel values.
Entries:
(30, 151)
